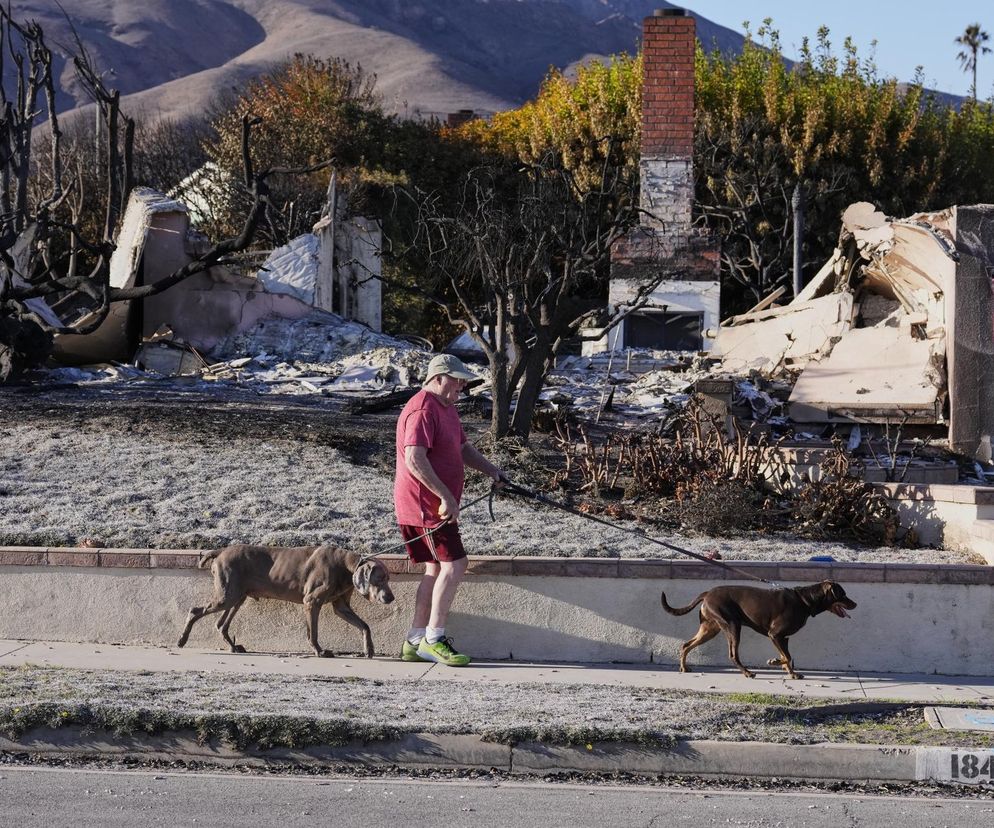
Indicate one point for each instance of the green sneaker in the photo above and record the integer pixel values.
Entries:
(442, 652)
(409, 652)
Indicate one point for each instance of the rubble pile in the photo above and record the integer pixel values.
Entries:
(894, 330)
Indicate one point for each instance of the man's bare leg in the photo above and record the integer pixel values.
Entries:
(423, 597)
(449, 577)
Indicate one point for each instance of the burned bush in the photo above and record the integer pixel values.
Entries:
(714, 480)
(722, 508)
(838, 503)
(649, 465)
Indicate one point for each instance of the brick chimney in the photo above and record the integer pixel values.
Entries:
(666, 250)
(666, 167)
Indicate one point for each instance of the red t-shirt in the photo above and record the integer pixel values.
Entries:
(426, 422)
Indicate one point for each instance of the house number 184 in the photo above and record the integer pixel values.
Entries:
(972, 766)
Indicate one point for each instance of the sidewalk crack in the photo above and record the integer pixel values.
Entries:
(424, 675)
(16, 649)
(862, 689)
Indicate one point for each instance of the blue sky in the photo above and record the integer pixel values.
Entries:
(909, 33)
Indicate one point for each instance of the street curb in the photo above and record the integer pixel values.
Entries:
(413, 750)
(711, 759)
(819, 762)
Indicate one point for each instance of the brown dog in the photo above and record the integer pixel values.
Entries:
(777, 613)
(308, 575)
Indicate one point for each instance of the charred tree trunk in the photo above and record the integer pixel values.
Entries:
(537, 366)
(500, 391)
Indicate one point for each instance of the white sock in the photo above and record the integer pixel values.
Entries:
(433, 634)
(415, 634)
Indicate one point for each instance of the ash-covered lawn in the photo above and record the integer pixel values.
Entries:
(61, 484)
(295, 711)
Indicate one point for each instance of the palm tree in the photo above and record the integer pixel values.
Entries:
(972, 40)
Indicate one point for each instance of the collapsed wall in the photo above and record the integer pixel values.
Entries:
(285, 308)
(896, 327)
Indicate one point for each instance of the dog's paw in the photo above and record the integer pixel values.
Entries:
(237, 648)
(749, 674)
(775, 662)
(797, 675)
(326, 654)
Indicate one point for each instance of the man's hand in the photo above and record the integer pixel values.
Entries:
(449, 509)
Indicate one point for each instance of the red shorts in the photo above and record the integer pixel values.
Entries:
(444, 544)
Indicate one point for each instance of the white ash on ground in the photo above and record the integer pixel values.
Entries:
(63, 484)
(639, 392)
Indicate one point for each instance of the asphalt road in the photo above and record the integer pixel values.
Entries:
(51, 797)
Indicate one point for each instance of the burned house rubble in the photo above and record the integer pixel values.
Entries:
(316, 299)
(895, 328)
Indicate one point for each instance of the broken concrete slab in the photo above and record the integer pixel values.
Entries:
(788, 336)
(919, 345)
(873, 373)
(867, 225)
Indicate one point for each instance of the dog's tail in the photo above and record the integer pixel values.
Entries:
(681, 610)
(207, 557)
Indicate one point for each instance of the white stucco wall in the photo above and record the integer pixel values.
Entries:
(898, 627)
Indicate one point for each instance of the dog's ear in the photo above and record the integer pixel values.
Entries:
(361, 578)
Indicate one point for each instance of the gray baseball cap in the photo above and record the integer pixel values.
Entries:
(448, 364)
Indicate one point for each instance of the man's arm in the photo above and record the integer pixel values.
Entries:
(418, 464)
(471, 457)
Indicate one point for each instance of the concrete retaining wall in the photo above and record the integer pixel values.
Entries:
(951, 517)
(911, 618)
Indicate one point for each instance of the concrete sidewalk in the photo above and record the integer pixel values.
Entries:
(812, 762)
(850, 687)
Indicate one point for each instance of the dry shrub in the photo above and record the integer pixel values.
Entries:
(840, 504)
(716, 485)
(722, 508)
(647, 464)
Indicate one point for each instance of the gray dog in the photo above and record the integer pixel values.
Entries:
(308, 575)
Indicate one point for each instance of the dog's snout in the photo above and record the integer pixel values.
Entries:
(384, 596)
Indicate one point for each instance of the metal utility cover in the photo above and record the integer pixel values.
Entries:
(959, 718)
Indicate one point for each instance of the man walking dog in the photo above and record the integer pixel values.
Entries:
(432, 453)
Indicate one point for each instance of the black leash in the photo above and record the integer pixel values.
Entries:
(515, 489)
(489, 496)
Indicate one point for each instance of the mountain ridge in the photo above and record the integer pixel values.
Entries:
(172, 58)
(430, 58)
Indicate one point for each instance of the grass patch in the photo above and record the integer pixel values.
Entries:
(293, 712)
(572, 736)
(243, 732)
